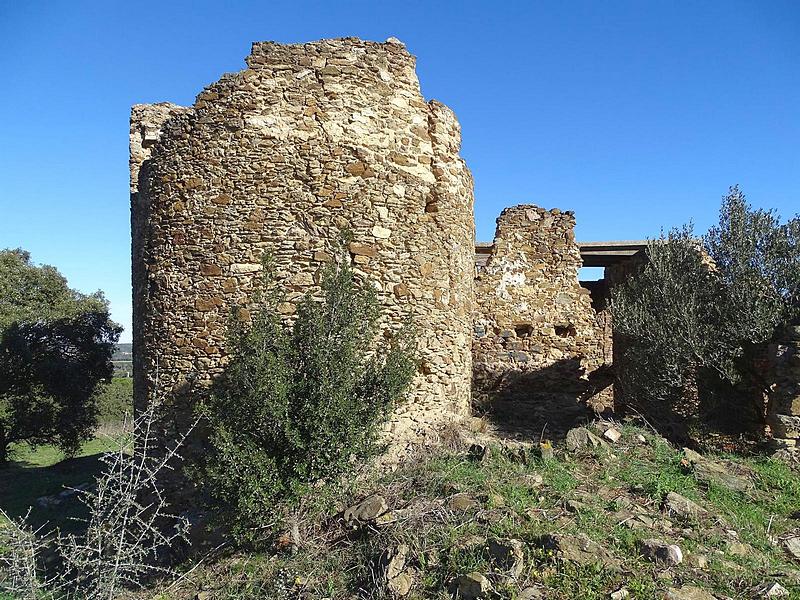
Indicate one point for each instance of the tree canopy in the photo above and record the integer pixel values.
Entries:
(55, 348)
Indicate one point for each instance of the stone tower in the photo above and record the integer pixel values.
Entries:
(308, 140)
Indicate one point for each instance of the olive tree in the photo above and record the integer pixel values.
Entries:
(697, 307)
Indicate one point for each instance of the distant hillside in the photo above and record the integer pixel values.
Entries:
(123, 360)
(123, 352)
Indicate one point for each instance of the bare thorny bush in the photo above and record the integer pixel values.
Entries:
(125, 539)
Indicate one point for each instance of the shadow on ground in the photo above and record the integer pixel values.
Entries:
(544, 404)
(22, 484)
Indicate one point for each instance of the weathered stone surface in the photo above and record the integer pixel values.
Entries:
(472, 586)
(367, 510)
(540, 338)
(462, 502)
(677, 505)
(362, 249)
(718, 473)
(735, 548)
(697, 561)
(398, 581)
(783, 360)
(771, 589)
(509, 555)
(579, 549)
(688, 592)
(661, 552)
(401, 585)
(396, 561)
(792, 546)
(580, 438)
(308, 140)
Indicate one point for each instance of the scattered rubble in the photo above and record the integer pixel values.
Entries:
(697, 561)
(679, 506)
(738, 548)
(612, 434)
(367, 510)
(579, 549)
(472, 586)
(716, 472)
(581, 438)
(661, 552)
(532, 593)
(772, 589)
(792, 546)
(462, 502)
(688, 592)
(509, 555)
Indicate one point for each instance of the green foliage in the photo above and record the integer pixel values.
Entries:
(757, 261)
(697, 307)
(55, 348)
(31, 293)
(115, 401)
(300, 404)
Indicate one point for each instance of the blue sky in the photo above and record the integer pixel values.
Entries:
(636, 115)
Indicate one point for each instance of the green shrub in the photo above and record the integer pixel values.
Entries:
(300, 404)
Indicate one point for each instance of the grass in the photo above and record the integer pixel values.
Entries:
(45, 471)
(515, 496)
(511, 503)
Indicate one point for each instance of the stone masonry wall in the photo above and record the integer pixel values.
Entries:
(308, 140)
(783, 413)
(537, 338)
(145, 131)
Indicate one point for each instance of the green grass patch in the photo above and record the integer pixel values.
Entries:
(45, 471)
(654, 470)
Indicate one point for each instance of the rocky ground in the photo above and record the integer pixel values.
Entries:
(612, 512)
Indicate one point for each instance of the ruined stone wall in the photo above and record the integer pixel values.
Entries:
(145, 131)
(537, 338)
(783, 412)
(308, 140)
(613, 275)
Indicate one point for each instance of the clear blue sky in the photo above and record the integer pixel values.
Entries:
(636, 115)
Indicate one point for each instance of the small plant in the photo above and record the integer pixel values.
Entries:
(300, 404)
(126, 537)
